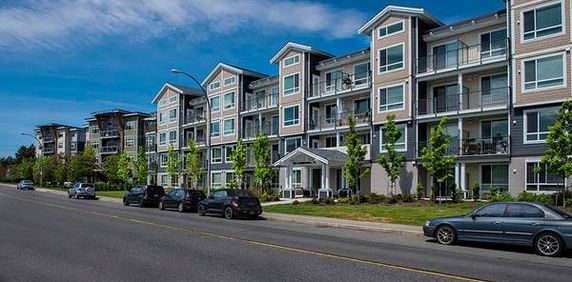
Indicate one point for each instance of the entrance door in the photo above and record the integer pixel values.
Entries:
(316, 178)
(315, 118)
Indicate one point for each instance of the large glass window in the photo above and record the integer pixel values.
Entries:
(228, 153)
(401, 144)
(291, 115)
(537, 123)
(446, 56)
(291, 60)
(172, 115)
(229, 80)
(494, 89)
(215, 104)
(229, 126)
(216, 180)
(291, 84)
(361, 107)
(296, 178)
(229, 178)
(215, 129)
(290, 144)
(391, 58)
(390, 29)
(162, 138)
(542, 21)
(494, 129)
(544, 72)
(172, 137)
(334, 80)
(229, 100)
(494, 176)
(216, 155)
(361, 74)
(542, 181)
(391, 98)
(214, 85)
(493, 43)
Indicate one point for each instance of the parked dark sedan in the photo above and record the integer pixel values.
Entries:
(182, 199)
(25, 185)
(546, 228)
(231, 203)
(144, 195)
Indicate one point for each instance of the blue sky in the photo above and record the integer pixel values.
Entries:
(61, 60)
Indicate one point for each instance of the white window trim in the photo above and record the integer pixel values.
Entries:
(341, 70)
(284, 65)
(231, 83)
(163, 143)
(379, 72)
(227, 156)
(216, 88)
(523, 73)
(284, 116)
(381, 149)
(171, 120)
(525, 125)
(284, 84)
(288, 139)
(526, 183)
(366, 79)
(219, 103)
(563, 17)
(233, 128)
(491, 51)
(161, 160)
(388, 25)
(162, 119)
(221, 155)
(221, 179)
(292, 177)
(233, 99)
(379, 111)
(171, 141)
(211, 127)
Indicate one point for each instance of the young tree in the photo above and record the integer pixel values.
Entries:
(141, 168)
(392, 161)
(111, 170)
(25, 152)
(558, 155)
(435, 158)
(61, 170)
(25, 169)
(262, 165)
(123, 168)
(238, 158)
(353, 170)
(82, 166)
(193, 165)
(173, 163)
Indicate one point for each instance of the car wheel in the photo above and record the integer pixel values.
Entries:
(548, 244)
(181, 208)
(141, 204)
(446, 235)
(228, 213)
(202, 210)
(77, 197)
(161, 206)
(69, 196)
(125, 202)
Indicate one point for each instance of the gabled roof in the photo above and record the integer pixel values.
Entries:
(467, 25)
(232, 68)
(345, 58)
(181, 89)
(400, 10)
(325, 156)
(295, 46)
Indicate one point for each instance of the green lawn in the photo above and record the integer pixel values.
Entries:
(112, 194)
(406, 213)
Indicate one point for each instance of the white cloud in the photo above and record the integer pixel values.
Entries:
(61, 23)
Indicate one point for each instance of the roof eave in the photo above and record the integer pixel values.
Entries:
(420, 12)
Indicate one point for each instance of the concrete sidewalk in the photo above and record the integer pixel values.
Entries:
(345, 223)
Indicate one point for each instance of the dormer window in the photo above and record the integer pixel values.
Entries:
(290, 61)
(214, 86)
(390, 29)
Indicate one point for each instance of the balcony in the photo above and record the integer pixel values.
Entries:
(48, 151)
(453, 149)
(268, 128)
(194, 117)
(109, 133)
(109, 149)
(462, 57)
(48, 139)
(260, 102)
(498, 145)
(150, 148)
(152, 166)
(467, 101)
(345, 84)
(200, 139)
(334, 122)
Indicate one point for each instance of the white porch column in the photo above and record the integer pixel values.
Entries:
(259, 124)
(460, 127)
(323, 176)
(457, 175)
(327, 177)
(343, 184)
(289, 177)
(463, 180)
(460, 83)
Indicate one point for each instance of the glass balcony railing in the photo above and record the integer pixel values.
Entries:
(467, 100)
(195, 117)
(260, 102)
(498, 145)
(345, 83)
(335, 121)
(268, 128)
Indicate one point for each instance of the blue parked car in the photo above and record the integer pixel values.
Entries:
(546, 228)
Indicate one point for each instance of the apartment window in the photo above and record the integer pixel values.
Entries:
(361, 74)
(401, 144)
(334, 80)
(162, 139)
(214, 86)
(172, 137)
(172, 115)
(291, 84)
(391, 58)
(391, 98)
(216, 180)
(95, 145)
(60, 145)
(296, 178)
(543, 21)
(494, 176)
(543, 181)
(390, 29)
(229, 80)
(291, 116)
(290, 144)
(73, 146)
(494, 129)
(173, 99)
(493, 43)
(544, 72)
(229, 177)
(361, 107)
(229, 100)
(228, 153)
(494, 89)
(331, 142)
(216, 155)
(215, 129)
(331, 113)
(163, 102)
(446, 55)
(129, 142)
(215, 104)
(292, 60)
(537, 123)
(363, 138)
(93, 129)
(228, 127)
(130, 125)
(164, 159)
(162, 119)
(165, 181)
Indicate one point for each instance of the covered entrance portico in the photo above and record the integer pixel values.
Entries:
(324, 172)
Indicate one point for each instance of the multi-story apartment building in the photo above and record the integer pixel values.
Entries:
(115, 131)
(60, 140)
(150, 131)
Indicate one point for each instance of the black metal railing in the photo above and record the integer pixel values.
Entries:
(461, 56)
(195, 116)
(344, 83)
(260, 102)
(463, 101)
(486, 146)
(109, 133)
(267, 128)
(452, 150)
(337, 120)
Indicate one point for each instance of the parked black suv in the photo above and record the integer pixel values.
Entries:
(182, 199)
(231, 203)
(144, 195)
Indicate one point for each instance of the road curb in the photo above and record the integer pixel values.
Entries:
(356, 226)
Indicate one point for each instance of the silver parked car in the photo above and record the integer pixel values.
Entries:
(82, 190)
(25, 185)
(546, 228)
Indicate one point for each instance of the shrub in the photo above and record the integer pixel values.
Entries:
(315, 201)
(326, 201)
(408, 198)
(532, 197)
(355, 199)
(100, 186)
(568, 203)
(502, 197)
(343, 200)
(457, 195)
(393, 199)
(476, 191)
(295, 203)
(269, 196)
(419, 191)
(493, 192)
(374, 198)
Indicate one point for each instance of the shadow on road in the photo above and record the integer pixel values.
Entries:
(501, 247)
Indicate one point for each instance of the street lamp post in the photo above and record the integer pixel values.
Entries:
(177, 71)
(42, 161)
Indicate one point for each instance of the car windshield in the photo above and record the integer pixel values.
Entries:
(562, 213)
(240, 193)
(27, 182)
(87, 185)
(195, 192)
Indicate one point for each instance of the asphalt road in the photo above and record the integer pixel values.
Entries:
(47, 237)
